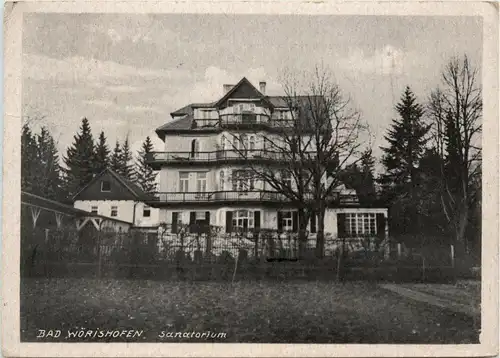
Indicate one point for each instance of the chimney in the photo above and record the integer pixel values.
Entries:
(262, 87)
(226, 88)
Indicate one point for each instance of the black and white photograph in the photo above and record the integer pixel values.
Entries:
(225, 177)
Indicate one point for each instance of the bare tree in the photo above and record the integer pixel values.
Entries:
(455, 111)
(317, 133)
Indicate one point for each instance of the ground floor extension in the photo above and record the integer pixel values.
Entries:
(349, 222)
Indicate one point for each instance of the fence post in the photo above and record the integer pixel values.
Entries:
(399, 250)
(99, 253)
(452, 254)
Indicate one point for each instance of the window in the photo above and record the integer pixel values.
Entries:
(287, 220)
(183, 182)
(114, 211)
(221, 180)
(146, 212)
(195, 148)
(201, 182)
(94, 210)
(243, 219)
(360, 224)
(105, 185)
(242, 181)
(286, 177)
(252, 142)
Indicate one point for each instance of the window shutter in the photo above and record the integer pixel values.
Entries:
(207, 221)
(280, 221)
(229, 221)
(381, 226)
(295, 221)
(192, 221)
(256, 219)
(313, 222)
(175, 218)
(341, 232)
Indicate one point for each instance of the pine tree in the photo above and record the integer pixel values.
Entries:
(367, 192)
(40, 169)
(116, 158)
(49, 183)
(145, 175)
(28, 159)
(126, 164)
(407, 138)
(360, 178)
(79, 160)
(102, 160)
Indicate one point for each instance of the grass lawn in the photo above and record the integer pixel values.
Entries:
(264, 312)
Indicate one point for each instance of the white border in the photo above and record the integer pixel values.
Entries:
(11, 183)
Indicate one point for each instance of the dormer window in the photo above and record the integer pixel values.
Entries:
(105, 186)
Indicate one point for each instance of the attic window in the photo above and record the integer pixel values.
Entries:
(105, 185)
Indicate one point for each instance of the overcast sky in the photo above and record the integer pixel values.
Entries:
(126, 73)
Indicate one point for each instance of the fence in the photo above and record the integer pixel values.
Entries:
(209, 255)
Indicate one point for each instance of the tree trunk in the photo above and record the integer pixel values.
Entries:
(320, 235)
(460, 239)
(302, 236)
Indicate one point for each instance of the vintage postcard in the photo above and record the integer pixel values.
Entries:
(250, 179)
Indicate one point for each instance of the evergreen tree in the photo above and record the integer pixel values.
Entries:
(49, 183)
(115, 162)
(40, 169)
(126, 164)
(367, 193)
(145, 175)
(102, 160)
(79, 160)
(361, 178)
(28, 159)
(407, 137)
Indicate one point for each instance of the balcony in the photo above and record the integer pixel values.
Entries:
(157, 159)
(250, 121)
(231, 197)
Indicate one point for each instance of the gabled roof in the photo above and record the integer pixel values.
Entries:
(133, 188)
(55, 206)
(242, 82)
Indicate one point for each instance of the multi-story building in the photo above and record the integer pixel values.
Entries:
(202, 169)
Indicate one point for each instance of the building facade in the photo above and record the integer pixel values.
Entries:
(203, 174)
(111, 195)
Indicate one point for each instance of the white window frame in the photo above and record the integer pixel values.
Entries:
(287, 220)
(221, 180)
(243, 181)
(201, 182)
(183, 182)
(105, 191)
(240, 216)
(361, 224)
(286, 177)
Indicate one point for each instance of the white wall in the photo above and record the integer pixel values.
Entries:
(182, 142)
(125, 208)
(141, 220)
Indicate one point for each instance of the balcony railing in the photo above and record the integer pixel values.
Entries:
(238, 196)
(155, 158)
(243, 119)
